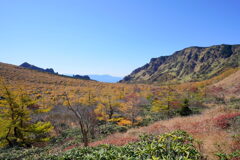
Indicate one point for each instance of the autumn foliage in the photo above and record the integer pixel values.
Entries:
(17, 125)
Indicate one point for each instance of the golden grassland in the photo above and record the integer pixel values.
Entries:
(52, 86)
(51, 89)
(208, 128)
(28, 78)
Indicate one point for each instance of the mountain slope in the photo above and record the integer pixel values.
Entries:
(189, 64)
(17, 74)
(229, 86)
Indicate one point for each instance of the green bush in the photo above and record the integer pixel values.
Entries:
(232, 156)
(177, 145)
(185, 110)
(68, 133)
(17, 153)
(111, 128)
(234, 103)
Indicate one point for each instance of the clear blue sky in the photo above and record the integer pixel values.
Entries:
(110, 36)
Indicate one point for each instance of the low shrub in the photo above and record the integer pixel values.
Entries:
(16, 153)
(171, 146)
(111, 128)
(234, 103)
(224, 121)
(232, 156)
(67, 134)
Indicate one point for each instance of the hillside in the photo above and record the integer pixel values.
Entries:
(50, 70)
(17, 74)
(229, 87)
(54, 85)
(189, 64)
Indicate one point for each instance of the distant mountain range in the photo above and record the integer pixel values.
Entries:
(189, 64)
(105, 78)
(101, 78)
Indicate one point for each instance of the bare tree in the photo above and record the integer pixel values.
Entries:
(86, 119)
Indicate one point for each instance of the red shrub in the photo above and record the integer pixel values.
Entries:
(223, 121)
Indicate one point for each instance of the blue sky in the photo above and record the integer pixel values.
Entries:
(110, 36)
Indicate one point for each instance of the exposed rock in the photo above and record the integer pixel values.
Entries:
(189, 64)
(85, 77)
(50, 70)
(29, 66)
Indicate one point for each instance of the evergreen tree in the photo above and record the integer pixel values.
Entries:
(185, 110)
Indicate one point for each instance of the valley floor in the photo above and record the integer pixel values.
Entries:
(211, 129)
(215, 130)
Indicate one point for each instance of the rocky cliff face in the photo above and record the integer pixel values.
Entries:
(29, 66)
(50, 70)
(190, 64)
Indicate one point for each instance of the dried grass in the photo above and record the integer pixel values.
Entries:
(230, 85)
(202, 127)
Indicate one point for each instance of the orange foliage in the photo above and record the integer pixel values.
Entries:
(124, 122)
